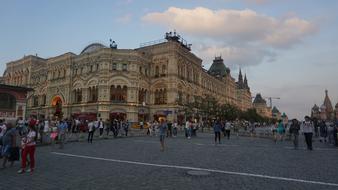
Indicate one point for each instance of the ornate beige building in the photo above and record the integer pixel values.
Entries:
(152, 81)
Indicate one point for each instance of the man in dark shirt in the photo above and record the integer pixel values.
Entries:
(294, 131)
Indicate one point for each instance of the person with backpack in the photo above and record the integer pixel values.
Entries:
(294, 131)
(307, 129)
(62, 129)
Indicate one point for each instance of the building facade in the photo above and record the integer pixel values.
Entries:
(261, 107)
(243, 93)
(12, 102)
(276, 114)
(152, 81)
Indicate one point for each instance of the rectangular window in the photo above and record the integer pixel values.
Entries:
(43, 100)
(124, 67)
(114, 66)
(35, 101)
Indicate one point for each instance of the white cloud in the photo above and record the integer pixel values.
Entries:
(124, 19)
(244, 37)
(234, 25)
(235, 56)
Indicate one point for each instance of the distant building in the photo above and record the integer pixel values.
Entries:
(315, 112)
(326, 110)
(261, 107)
(12, 102)
(276, 113)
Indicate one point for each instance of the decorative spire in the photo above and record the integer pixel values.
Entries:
(246, 82)
(240, 80)
(240, 77)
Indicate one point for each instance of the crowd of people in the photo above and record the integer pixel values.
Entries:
(16, 140)
(312, 129)
(19, 139)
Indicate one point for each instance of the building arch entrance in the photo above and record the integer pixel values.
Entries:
(57, 106)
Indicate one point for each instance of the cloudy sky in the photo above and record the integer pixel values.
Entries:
(287, 48)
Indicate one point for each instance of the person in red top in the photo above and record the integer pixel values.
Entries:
(32, 122)
(28, 146)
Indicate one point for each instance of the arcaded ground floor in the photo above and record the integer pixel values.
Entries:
(130, 112)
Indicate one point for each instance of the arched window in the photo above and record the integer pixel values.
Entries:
(124, 94)
(157, 71)
(93, 94)
(142, 95)
(78, 96)
(112, 93)
(157, 97)
(164, 70)
(180, 97)
(35, 101)
(160, 96)
(114, 66)
(118, 94)
(118, 90)
(43, 99)
(164, 96)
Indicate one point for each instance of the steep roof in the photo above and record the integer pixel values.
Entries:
(275, 110)
(218, 68)
(259, 99)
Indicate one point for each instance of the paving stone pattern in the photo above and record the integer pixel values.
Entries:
(243, 154)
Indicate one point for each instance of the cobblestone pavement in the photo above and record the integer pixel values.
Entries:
(138, 163)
